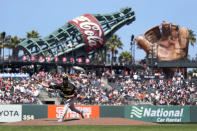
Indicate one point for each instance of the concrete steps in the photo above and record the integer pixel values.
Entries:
(45, 99)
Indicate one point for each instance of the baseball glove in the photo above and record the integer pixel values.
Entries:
(168, 42)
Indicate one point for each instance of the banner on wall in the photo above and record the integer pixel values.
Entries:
(55, 111)
(158, 113)
(3, 75)
(10, 113)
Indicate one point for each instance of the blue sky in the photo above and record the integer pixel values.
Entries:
(45, 16)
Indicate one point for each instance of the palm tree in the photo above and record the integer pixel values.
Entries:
(5, 41)
(15, 41)
(113, 44)
(33, 34)
(125, 56)
(2, 40)
(192, 37)
(8, 43)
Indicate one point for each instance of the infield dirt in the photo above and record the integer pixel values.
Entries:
(90, 121)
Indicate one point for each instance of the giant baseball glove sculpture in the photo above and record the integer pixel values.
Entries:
(170, 42)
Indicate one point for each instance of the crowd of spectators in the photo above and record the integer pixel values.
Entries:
(108, 88)
(18, 91)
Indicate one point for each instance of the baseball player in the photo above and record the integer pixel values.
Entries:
(69, 94)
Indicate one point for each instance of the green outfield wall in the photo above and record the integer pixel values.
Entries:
(193, 113)
(112, 111)
(30, 112)
(161, 114)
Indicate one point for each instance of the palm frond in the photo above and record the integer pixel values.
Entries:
(192, 37)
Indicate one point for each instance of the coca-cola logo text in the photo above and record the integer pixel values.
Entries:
(91, 30)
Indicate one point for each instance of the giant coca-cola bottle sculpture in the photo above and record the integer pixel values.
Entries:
(80, 35)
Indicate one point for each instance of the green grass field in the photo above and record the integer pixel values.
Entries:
(162, 127)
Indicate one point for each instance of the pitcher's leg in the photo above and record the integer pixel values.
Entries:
(72, 107)
(65, 109)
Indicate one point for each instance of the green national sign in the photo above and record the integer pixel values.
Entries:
(158, 113)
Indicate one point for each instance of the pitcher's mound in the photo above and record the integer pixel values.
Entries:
(90, 121)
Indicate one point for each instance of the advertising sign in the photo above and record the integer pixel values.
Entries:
(2, 75)
(80, 60)
(91, 30)
(159, 113)
(10, 113)
(87, 60)
(64, 59)
(41, 59)
(55, 111)
(49, 59)
(32, 58)
(24, 58)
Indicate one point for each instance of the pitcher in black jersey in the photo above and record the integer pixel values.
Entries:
(69, 94)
